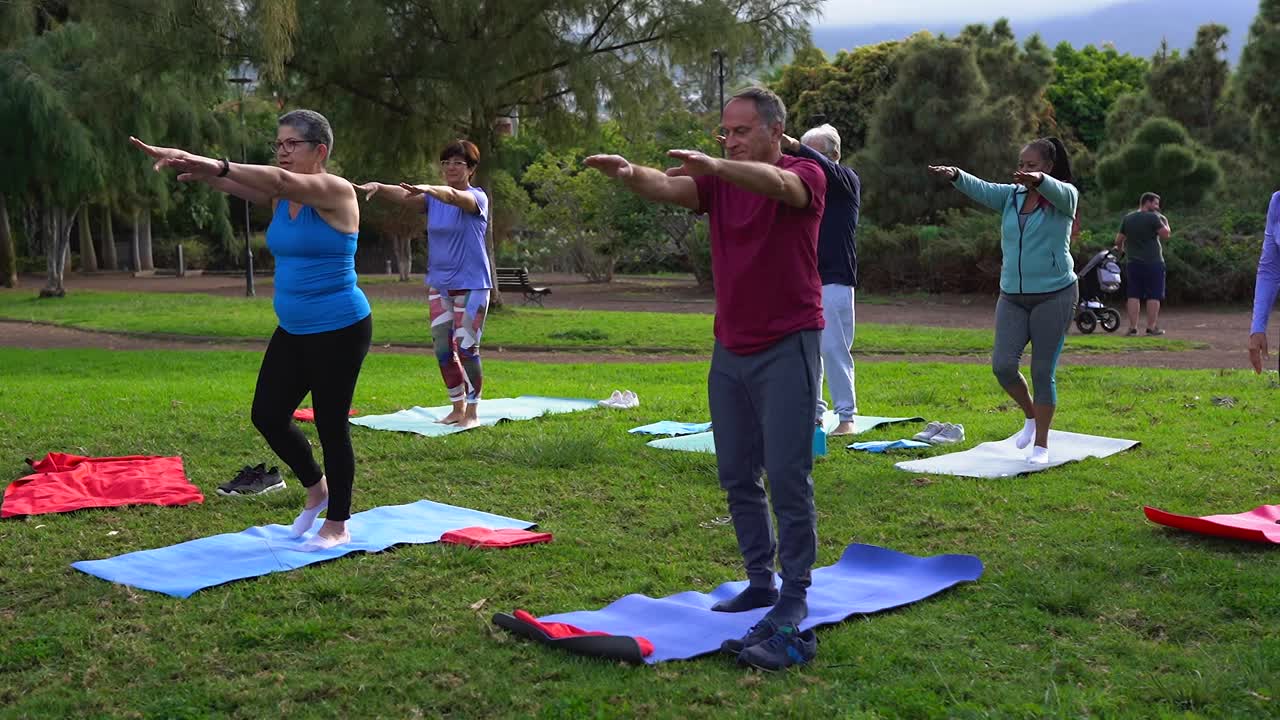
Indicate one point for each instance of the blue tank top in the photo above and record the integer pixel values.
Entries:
(315, 281)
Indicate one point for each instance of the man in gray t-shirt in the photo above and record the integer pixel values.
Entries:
(1140, 237)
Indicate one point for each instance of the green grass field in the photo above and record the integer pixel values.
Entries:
(515, 328)
(1085, 610)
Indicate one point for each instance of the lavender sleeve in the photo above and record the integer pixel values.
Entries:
(1268, 283)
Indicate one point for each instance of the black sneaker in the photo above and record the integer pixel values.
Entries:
(787, 647)
(254, 481)
(758, 633)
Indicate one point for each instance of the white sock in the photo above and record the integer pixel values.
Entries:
(318, 543)
(1028, 433)
(1038, 456)
(307, 518)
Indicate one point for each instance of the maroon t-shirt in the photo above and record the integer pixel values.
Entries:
(764, 256)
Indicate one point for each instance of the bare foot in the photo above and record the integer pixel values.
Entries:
(452, 418)
(844, 428)
(469, 422)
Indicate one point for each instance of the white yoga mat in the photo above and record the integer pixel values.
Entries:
(1002, 459)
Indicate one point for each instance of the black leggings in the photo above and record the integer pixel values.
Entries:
(327, 365)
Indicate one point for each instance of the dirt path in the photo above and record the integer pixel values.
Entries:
(1224, 331)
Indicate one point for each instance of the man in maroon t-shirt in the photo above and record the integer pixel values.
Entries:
(765, 209)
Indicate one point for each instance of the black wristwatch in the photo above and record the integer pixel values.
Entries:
(226, 167)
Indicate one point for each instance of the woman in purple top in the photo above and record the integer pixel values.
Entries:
(458, 278)
(1268, 284)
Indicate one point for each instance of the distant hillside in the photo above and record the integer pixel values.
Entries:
(1134, 27)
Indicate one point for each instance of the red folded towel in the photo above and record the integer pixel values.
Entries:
(309, 414)
(487, 537)
(560, 631)
(62, 483)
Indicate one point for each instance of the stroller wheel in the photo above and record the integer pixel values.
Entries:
(1109, 318)
(1086, 321)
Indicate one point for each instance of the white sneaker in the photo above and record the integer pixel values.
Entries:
(929, 431)
(629, 400)
(948, 434)
(613, 400)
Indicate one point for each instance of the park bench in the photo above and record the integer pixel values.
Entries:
(517, 280)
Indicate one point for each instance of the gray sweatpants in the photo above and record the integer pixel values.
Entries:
(1041, 319)
(762, 420)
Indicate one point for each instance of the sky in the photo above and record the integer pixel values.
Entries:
(869, 12)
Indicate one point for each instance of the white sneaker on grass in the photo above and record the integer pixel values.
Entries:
(948, 434)
(929, 431)
(612, 400)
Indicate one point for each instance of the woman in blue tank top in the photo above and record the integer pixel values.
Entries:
(325, 324)
(458, 279)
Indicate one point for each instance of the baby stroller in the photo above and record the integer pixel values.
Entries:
(1099, 278)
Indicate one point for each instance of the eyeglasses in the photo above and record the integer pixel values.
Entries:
(288, 145)
(454, 163)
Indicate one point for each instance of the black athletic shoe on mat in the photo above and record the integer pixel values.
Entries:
(758, 633)
(787, 647)
(254, 481)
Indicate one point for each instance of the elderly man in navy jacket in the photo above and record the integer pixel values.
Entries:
(838, 266)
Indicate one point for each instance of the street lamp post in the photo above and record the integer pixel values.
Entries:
(720, 77)
(244, 158)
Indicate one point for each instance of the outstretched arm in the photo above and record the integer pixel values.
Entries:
(647, 182)
(985, 193)
(760, 178)
(464, 199)
(321, 190)
(391, 193)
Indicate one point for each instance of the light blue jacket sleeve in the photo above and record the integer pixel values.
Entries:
(984, 193)
(1062, 196)
(1268, 282)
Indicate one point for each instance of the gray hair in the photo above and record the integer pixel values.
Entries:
(313, 126)
(768, 105)
(830, 137)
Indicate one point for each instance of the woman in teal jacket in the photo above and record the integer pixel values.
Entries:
(1038, 292)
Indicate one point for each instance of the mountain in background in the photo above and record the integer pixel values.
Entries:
(1135, 27)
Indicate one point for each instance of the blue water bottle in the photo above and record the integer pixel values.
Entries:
(819, 441)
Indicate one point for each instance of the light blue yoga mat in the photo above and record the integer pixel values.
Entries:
(422, 420)
(867, 579)
(671, 427)
(1004, 459)
(705, 442)
(182, 569)
(880, 446)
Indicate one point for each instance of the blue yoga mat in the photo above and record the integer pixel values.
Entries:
(671, 427)
(705, 442)
(867, 579)
(182, 569)
(880, 446)
(422, 420)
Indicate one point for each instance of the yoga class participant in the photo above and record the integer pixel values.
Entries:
(765, 209)
(1038, 290)
(1267, 286)
(325, 324)
(458, 278)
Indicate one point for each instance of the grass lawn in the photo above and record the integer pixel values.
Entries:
(1085, 608)
(402, 321)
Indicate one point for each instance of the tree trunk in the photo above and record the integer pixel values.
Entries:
(135, 250)
(483, 136)
(109, 261)
(56, 228)
(403, 247)
(144, 242)
(88, 258)
(8, 254)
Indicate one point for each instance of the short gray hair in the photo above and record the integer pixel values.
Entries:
(827, 133)
(768, 105)
(313, 126)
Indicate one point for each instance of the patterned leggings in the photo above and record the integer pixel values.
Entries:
(457, 321)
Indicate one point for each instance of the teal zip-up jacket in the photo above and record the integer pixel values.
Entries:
(1037, 258)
